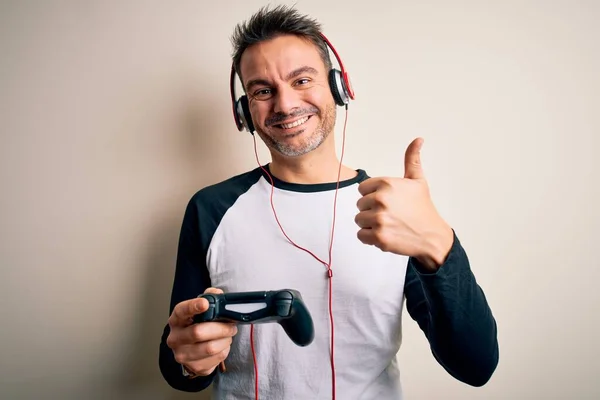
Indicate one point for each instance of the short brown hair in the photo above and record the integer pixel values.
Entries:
(267, 24)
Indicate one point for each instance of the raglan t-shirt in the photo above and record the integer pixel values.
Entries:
(232, 239)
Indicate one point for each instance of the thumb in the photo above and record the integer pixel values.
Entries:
(412, 160)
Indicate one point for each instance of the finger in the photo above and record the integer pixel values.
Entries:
(370, 185)
(374, 237)
(366, 236)
(185, 311)
(372, 219)
(412, 160)
(200, 351)
(207, 331)
(200, 333)
(364, 219)
(207, 366)
(372, 201)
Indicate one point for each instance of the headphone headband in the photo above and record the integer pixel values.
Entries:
(339, 83)
(342, 68)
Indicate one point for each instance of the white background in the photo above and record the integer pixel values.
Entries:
(113, 113)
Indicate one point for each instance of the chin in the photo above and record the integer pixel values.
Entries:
(300, 143)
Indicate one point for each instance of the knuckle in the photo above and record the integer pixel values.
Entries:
(170, 342)
(379, 221)
(386, 183)
(212, 348)
(223, 354)
(229, 330)
(382, 242)
(378, 238)
(380, 200)
(172, 319)
(179, 357)
(180, 309)
(199, 333)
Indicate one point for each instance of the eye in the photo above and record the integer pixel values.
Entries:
(302, 81)
(262, 94)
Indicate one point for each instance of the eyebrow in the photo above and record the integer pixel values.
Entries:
(295, 73)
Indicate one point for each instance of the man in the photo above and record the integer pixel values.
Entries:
(271, 228)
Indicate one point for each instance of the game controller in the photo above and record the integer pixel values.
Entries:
(284, 307)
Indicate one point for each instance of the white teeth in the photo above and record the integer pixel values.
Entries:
(295, 123)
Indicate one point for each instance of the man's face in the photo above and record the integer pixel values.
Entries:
(290, 101)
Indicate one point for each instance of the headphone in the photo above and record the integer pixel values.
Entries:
(339, 83)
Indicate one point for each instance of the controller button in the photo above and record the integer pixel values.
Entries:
(284, 295)
(283, 308)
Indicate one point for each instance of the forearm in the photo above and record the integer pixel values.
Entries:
(172, 372)
(454, 315)
(191, 279)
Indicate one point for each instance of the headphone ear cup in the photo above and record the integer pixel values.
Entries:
(237, 116)
(338, 89)
(243, 111)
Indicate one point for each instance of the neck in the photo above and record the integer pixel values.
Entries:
(319, 166)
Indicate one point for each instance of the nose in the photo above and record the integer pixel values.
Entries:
(286, 100)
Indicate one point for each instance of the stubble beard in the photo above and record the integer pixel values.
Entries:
(310, 143)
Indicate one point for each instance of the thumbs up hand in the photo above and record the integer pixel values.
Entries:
(397, 214)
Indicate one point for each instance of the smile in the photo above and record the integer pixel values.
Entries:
(293, 124)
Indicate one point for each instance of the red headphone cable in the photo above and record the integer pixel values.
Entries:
(326, 264)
